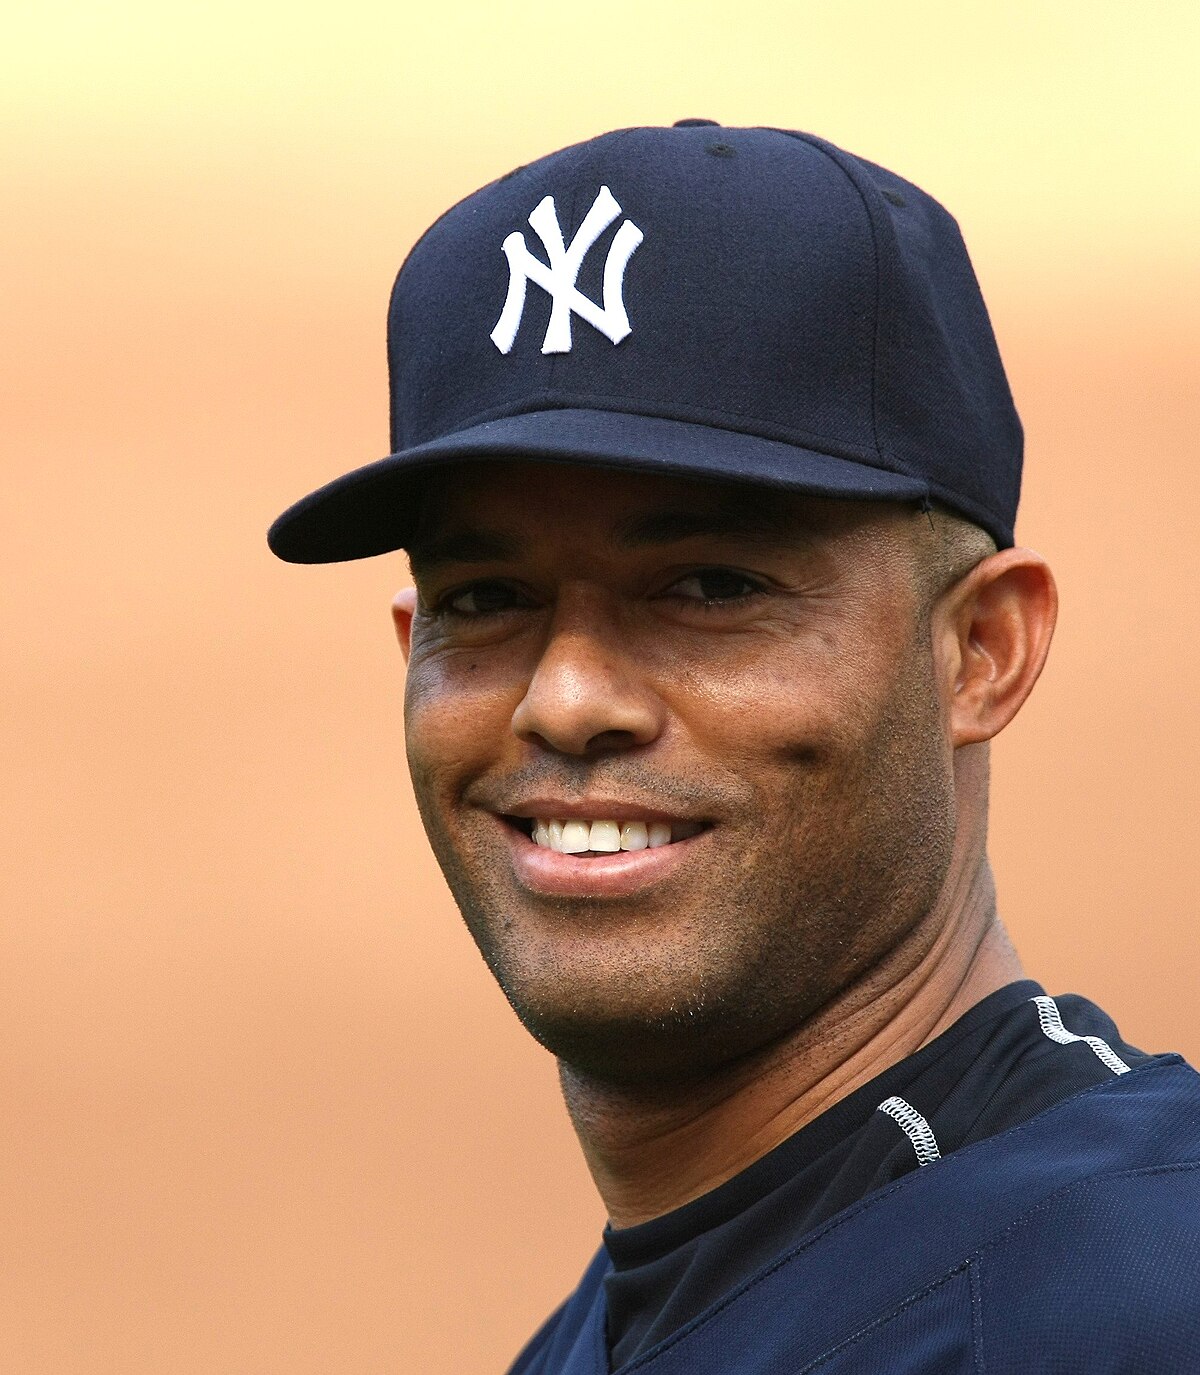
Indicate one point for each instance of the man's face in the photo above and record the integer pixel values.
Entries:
(749, 668)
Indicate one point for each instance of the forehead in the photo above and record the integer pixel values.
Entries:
(510, 503)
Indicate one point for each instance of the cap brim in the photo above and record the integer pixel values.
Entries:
(371, 510)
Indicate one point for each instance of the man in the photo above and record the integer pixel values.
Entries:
(707, 469)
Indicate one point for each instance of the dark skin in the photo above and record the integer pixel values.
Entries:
(792, 676)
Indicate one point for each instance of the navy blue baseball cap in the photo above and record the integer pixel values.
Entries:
(752, 305)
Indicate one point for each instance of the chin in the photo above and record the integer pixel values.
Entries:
(629, 1030)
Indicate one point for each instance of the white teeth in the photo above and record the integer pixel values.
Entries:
(605, 837)
(576, 837)
(633, 835)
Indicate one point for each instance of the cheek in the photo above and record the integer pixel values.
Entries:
(809, 696)
(457, 716)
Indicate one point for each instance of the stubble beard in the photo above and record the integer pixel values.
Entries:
(776, 935)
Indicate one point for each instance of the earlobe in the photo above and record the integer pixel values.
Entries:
(1003, 615)
(404, 606)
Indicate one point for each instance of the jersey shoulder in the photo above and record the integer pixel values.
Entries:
(549, 1349)
(1102, 1277)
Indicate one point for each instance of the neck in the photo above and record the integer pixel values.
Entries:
(652, 1150)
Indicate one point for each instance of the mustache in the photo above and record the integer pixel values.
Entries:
(634, 782)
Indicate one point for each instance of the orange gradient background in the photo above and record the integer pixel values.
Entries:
(264, 1110)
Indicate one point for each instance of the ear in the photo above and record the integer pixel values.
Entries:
(992, 634)
(404, 607)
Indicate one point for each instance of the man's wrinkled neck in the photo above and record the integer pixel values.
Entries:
(654, 1147)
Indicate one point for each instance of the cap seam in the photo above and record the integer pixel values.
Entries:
(876, 262)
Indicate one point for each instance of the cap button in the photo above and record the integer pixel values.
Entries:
(695, 123)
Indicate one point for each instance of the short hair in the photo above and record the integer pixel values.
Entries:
(948, 548)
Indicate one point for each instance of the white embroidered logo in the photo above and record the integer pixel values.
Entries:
(558, 274)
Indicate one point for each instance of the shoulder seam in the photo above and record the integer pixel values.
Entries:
(1078, 1186)
(872, 1200)
(884, 1318)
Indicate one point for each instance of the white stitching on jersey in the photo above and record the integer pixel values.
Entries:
(915, 1127)
(1052, 1026)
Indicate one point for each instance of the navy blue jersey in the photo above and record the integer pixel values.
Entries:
(1066, 1241)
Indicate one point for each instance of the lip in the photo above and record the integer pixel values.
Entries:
(541, 870)
(589, 809)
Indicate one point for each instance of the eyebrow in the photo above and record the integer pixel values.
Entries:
(665, 525)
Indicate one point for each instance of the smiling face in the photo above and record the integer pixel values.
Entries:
(597, 657)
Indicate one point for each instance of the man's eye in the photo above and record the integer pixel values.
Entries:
(709, 585)
(480, 599)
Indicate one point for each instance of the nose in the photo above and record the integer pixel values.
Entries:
(587, 694)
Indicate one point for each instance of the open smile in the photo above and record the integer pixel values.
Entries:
(605, 857)
(574, 836)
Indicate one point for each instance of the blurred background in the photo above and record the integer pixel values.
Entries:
(264, 1109)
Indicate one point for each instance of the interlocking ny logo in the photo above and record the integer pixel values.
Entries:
(558, 275)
